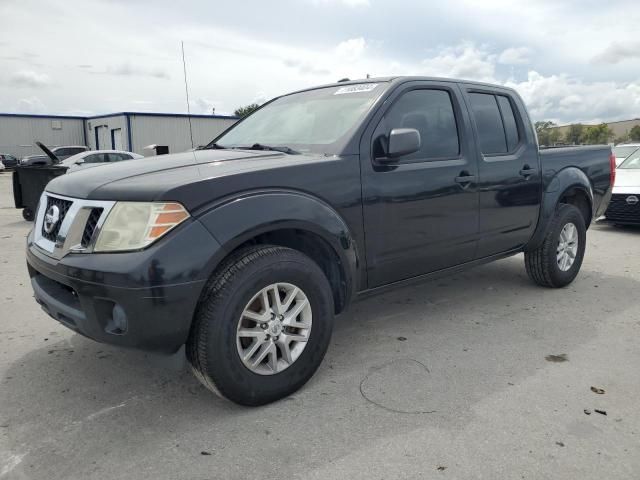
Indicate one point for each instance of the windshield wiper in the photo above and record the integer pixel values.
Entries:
(212, 146)
(259, 146)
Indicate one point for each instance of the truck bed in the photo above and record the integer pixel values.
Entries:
(592, 160)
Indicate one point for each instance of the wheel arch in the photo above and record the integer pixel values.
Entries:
(570, 185)
(290, 219)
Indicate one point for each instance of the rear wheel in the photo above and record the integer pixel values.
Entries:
(557, 261)
(28, 214)
(263, 325)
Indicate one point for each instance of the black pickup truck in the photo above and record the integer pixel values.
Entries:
(244, 251)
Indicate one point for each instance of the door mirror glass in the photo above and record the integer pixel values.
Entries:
(403, 141)
(80, 161)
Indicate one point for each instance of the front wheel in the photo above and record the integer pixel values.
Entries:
(263, 325)
(557, 261)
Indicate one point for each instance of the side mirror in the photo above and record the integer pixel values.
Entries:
(403, 141)
(79, 161)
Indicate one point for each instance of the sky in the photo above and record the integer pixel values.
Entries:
(570, 60)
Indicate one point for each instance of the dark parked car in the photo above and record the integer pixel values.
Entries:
(9, 161)
(245, 251)
(60, 152)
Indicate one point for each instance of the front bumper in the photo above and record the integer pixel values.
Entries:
(144, 299)
(624, 209)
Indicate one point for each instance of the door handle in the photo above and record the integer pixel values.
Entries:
(527, 171)
(464, 179)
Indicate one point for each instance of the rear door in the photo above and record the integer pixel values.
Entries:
(510, 187)
(420, 212)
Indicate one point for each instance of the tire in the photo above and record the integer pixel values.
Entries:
(213, 347)
(28, 214)
(542, 264)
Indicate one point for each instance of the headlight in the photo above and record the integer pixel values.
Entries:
(135, 225)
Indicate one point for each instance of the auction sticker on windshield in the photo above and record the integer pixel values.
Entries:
(361, 87)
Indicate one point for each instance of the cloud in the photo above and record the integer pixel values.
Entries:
(29, 78)
(618, 52)
(305, 68)
(203, 106)
(515, 56)
(30, 105)
(351, 49)
(127, 70)
(347, 3)
(465, 61)
(247, 52)
(566, 100)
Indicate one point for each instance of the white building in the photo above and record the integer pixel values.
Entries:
(18, 133)
(130, 131)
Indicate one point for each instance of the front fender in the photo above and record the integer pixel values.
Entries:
(239, 219)
(565, 180)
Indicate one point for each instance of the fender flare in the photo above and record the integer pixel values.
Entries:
(568, 179)
(240, 218)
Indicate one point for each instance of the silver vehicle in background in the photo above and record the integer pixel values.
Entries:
(624, 207)
(94, 158)
(624, 150)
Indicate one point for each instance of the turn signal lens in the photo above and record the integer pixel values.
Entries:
(135, 225)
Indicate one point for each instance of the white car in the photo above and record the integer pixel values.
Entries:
(97, 157)
(1, 166)
(623, 151)
(624, 207)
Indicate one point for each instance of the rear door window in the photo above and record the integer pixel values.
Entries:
(95, 158)
(489, 123)
(496, 122)
(117, 157)
(510, 124)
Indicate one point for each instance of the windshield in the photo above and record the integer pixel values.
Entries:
(313, 121)
(632, 161)
(623, 151)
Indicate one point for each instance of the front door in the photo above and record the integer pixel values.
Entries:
(509, 171)
(102, 137)
(421, 211)
(116, 138)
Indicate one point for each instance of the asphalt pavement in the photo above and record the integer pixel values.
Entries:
(478, 375)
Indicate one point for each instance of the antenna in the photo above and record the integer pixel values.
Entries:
(186, 91)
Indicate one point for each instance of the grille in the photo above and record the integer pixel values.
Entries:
(63, 206)
(620, 211)
(90, 227)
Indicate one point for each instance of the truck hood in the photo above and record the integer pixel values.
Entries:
(192, 178)
(627, 180)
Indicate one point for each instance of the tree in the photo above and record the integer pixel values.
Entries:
(575, 134)
(555, 136)
(598, 134)
(246, 110)
(547, 132)
(634, 133)
(622, 138)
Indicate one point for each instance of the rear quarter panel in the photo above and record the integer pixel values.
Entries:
(572, 168)
(592, 161)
